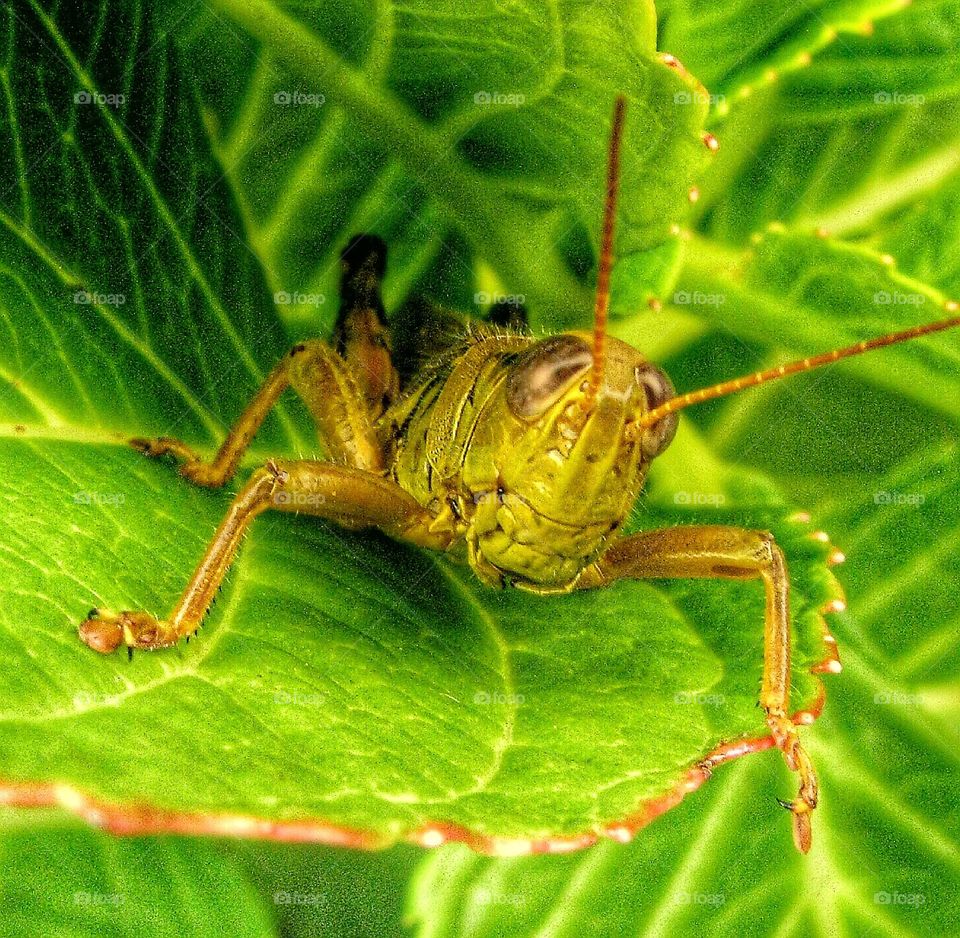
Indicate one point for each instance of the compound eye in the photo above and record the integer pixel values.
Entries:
(657, 389)
(542, 375)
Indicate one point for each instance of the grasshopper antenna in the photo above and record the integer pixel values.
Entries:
(793, 368)
(602, 303)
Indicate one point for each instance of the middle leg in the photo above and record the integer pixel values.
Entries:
(345, 388)
(324, 382)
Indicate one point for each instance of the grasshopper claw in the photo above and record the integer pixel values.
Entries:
(101, 634)
(104, 631)
(191, 466)
(802, 829)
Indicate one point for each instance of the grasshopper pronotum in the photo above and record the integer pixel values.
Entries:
(523, 456)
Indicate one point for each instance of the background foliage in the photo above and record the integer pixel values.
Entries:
(839, 126)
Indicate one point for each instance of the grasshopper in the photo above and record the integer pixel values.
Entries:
(521, 456)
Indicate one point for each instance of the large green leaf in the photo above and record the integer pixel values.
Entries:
(129, 297)
(327, 891)
(814, 294)
(63, 878)
(886, 856)
(870, 126)
(925, 240)
(736, 48)
(336, 660)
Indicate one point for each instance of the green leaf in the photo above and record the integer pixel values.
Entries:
(335, 660)
(407, 144)
(60, 878)
(926, 240)
(327, 891)
(885, 858)
(869, 127)
(63, 878)
(815, 294)
(736, 48)
(119, 242)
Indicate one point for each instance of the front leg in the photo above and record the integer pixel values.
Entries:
(735, 553)
(351, 497)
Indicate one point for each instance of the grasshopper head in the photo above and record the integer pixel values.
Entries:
(573, 458)
(575, 450)
(569, 458)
